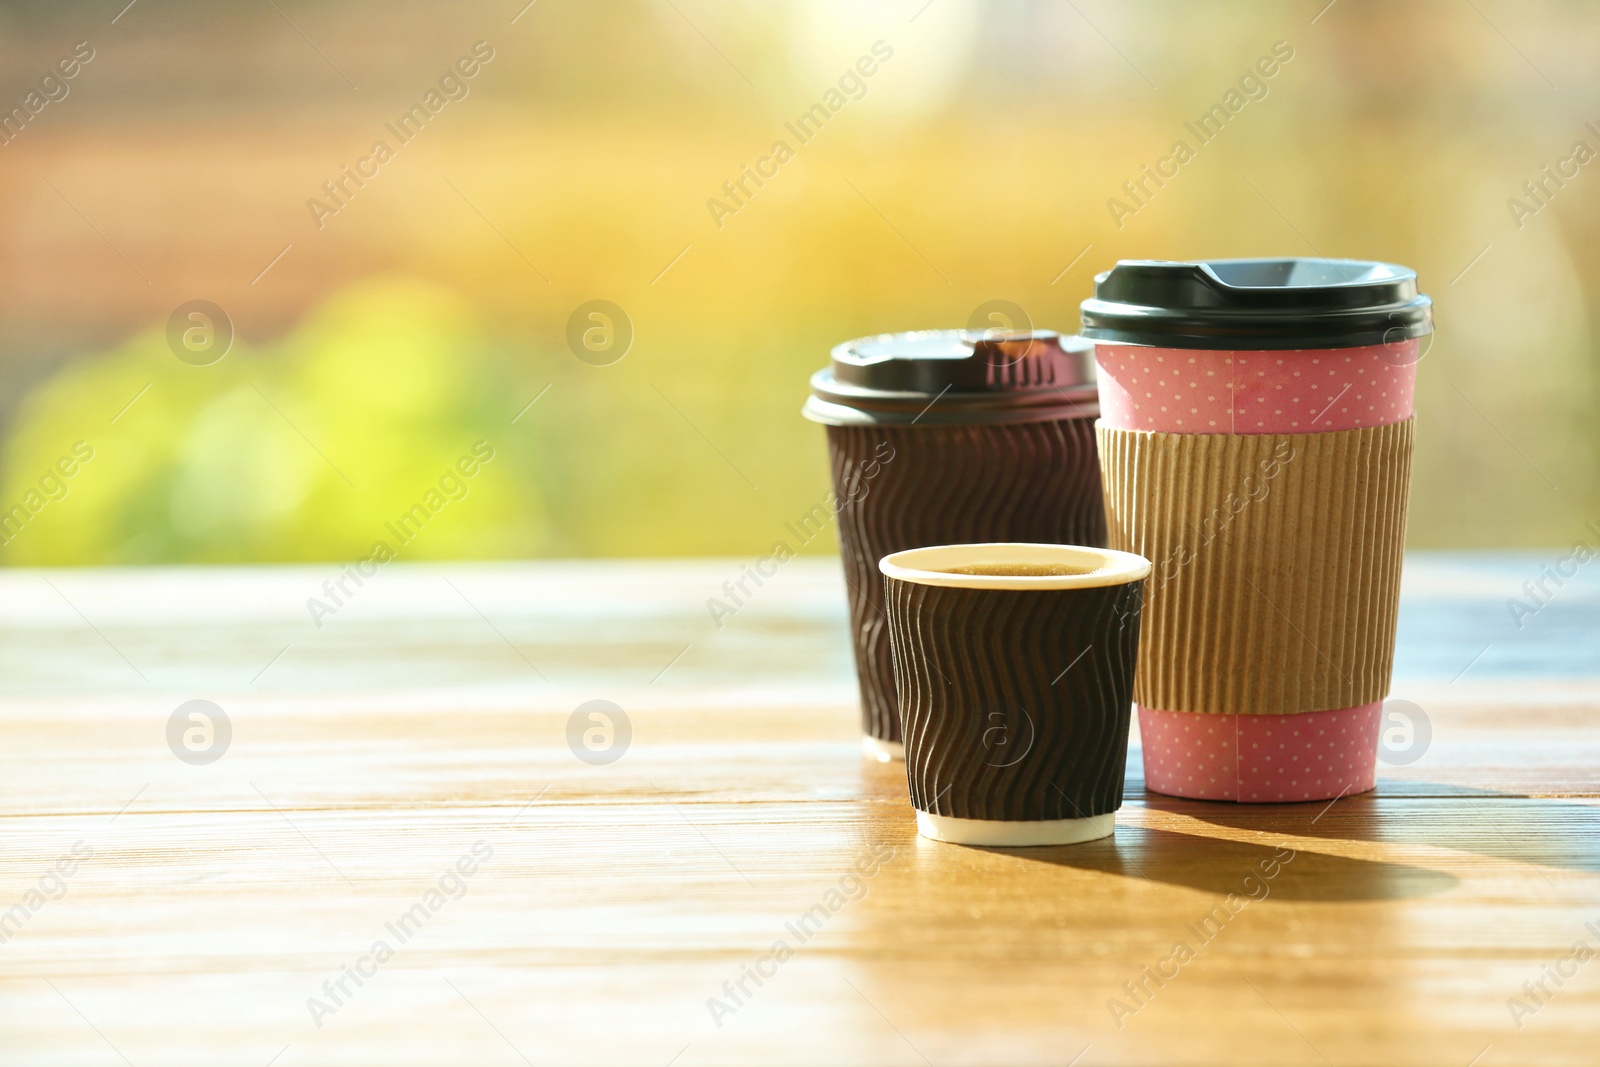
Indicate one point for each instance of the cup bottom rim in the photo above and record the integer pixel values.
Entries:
(1020, 833)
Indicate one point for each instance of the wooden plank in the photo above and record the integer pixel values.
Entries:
(619, 899)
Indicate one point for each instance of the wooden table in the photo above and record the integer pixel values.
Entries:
(428, 718)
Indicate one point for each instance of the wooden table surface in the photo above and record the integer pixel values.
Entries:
(402, 774)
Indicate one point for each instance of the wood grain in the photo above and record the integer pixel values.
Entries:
(375, 752)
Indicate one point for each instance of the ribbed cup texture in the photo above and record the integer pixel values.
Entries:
(1016, 703)
(1276, 557)
(1036, 482)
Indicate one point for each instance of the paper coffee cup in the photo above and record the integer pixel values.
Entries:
(1256, 441)
(938, 437)
(1014, 674)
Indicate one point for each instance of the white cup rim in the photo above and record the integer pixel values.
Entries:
(931, 566)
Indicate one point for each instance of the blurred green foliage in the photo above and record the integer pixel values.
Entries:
(301, 450)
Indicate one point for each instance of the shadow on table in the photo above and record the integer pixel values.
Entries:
(1528, 830)
(1222, 866)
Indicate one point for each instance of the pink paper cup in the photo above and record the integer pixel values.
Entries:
(1238, 348)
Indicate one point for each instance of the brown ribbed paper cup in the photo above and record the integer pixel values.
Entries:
(937, 437)
(1014, 672)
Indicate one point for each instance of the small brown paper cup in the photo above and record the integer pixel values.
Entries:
(1014, 673)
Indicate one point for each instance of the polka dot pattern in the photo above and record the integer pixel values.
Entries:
(1292, 391)
(1264, 759)
(1261, 759)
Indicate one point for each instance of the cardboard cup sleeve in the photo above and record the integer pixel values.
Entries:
(1274, 589)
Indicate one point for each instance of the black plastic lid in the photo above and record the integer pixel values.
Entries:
(934, 377)
(1256, 304)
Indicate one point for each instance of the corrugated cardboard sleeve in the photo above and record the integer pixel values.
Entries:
(1276, 578)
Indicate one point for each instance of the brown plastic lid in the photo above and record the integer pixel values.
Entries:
(945, 377)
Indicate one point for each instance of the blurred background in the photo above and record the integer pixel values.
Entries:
(360, 335)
